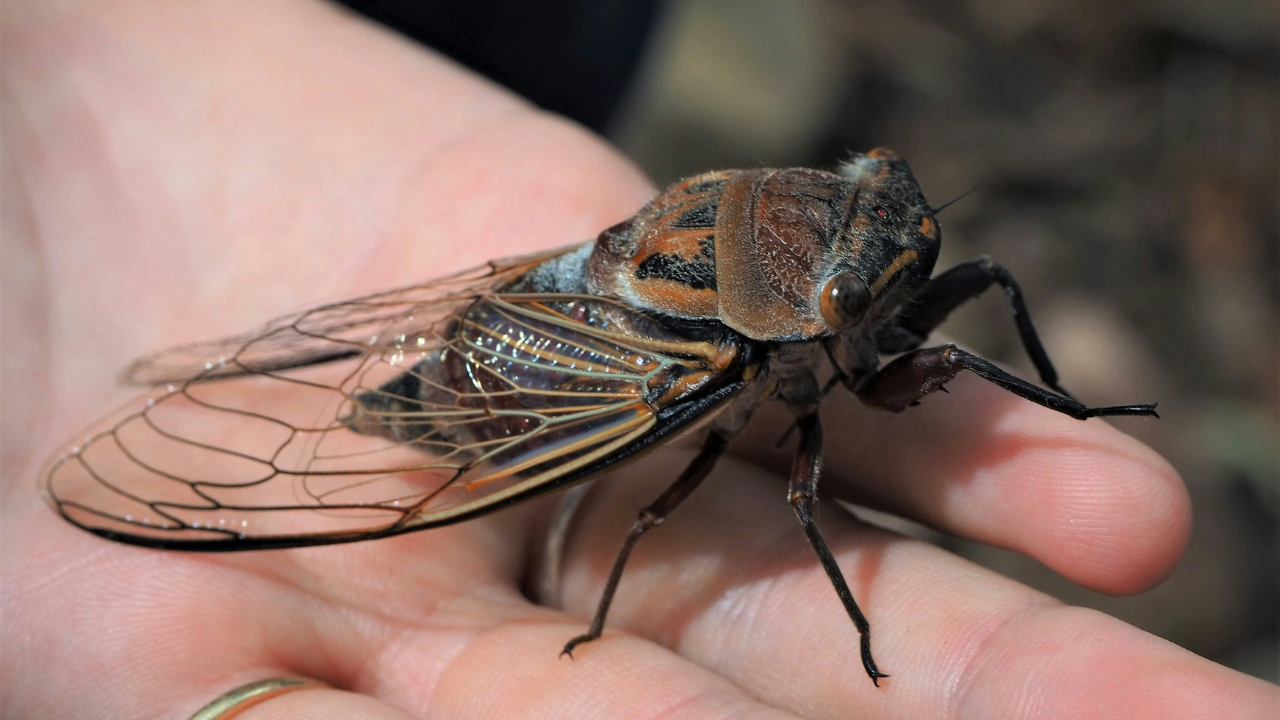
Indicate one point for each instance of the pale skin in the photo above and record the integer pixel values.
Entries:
(177, 171)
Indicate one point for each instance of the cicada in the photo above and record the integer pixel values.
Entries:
(437, 403)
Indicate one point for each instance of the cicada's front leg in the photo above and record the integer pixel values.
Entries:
(904, 381)
(962, 283)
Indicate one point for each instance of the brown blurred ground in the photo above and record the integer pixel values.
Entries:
(1128, 155)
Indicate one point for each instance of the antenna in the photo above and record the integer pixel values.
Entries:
(956, 199)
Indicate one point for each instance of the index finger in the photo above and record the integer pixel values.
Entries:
(1089, 501)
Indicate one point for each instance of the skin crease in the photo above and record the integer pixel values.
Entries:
(177, 171)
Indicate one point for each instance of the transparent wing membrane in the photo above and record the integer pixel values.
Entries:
(393, 412)
(331, 332)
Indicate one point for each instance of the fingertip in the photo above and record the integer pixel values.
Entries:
(1156, 530)
(1109, 513)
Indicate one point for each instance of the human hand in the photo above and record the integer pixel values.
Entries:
(176, 172)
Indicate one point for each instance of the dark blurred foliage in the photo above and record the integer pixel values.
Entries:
(1127, 154)
(574, 57)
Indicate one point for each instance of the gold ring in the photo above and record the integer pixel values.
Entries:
(246, 696)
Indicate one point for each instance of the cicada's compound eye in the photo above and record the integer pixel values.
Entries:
(844, 301)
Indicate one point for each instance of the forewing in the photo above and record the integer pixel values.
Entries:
(331, 332)
(448, 407)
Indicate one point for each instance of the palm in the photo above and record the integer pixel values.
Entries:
(209, 172)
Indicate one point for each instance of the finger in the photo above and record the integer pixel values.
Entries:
(730, 583)
(1092, 503)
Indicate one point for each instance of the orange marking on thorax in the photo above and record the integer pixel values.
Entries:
(668, 295)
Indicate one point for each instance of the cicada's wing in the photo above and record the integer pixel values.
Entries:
(450, 407)
(335, 331)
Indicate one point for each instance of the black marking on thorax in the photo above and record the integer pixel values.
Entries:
(701, 216)
(696, 274)
(708, 186)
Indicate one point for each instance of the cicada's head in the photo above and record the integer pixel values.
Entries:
(887, 247)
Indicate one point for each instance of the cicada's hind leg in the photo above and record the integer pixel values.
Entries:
(904, 381)
(650, 517)
(964, 282)
(803, 496)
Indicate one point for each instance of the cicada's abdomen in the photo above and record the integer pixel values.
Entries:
(524, 384)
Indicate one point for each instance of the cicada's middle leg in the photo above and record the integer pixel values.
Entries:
(650, 517)
(803, 496)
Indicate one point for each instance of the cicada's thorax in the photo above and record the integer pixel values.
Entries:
(753, 248)
(664, 257)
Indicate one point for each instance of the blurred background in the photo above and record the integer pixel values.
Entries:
(1127, 154)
